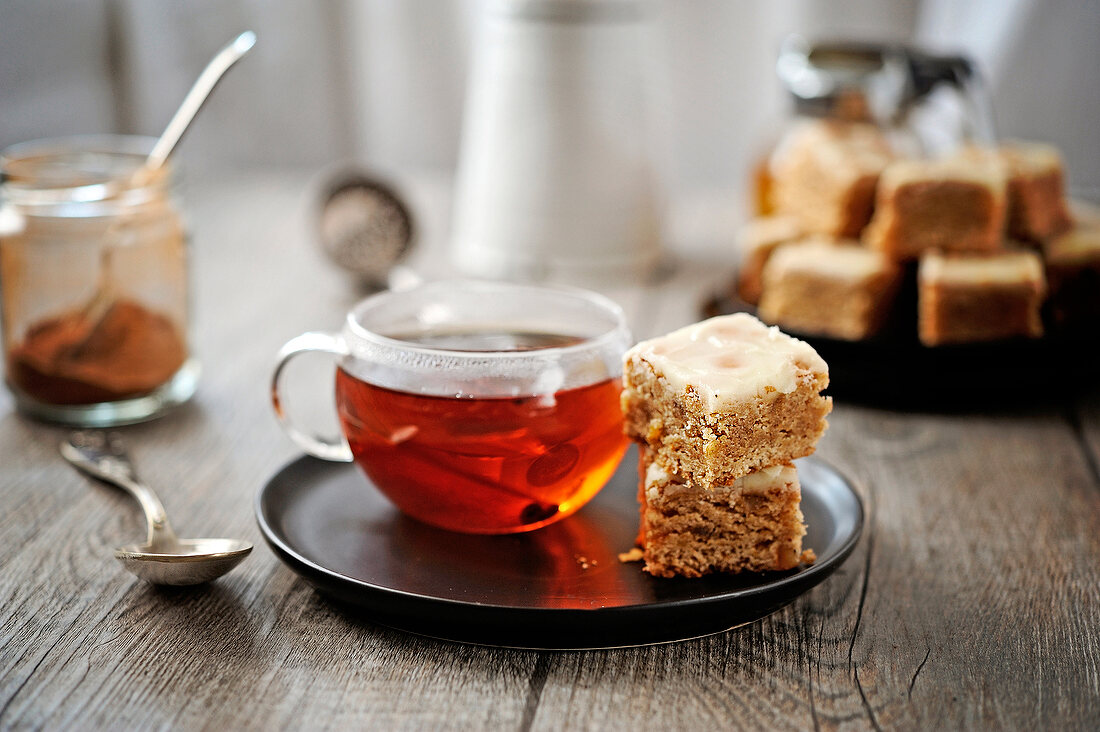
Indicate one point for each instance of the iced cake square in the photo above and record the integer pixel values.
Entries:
(1073, 278)
(1036, 191)
(752, 523)
(836, 289)
(955, 204)
(825, 173)
(724, 397)
(967, 297)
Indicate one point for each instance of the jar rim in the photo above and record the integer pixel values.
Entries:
(79, 169)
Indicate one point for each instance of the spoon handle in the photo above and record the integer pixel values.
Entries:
(101, 459)
(195, 98)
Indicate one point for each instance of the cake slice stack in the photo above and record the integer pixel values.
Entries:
(720, 410)
(982, 242)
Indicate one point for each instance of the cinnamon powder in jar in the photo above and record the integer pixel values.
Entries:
(129, 352)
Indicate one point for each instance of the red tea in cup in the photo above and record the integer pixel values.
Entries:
(470, 415)
(484, 465)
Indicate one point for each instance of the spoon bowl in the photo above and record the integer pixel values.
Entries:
(196, 560)
(163, 559)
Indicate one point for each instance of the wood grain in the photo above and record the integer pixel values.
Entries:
(973, 600)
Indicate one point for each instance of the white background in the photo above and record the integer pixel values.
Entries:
(383, 81)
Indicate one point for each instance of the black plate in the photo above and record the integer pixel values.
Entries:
(896, 370)
(561, 587)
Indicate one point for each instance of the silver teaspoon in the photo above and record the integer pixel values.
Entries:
(163, 559)
(104, 296)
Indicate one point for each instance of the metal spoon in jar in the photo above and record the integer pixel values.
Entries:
(163, 559)
(104, 297)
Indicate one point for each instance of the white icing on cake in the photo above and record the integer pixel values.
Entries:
(978, 167)
(1005, 268)
(761, 480)
(843, 260)
(1078, 245)
(658, 481)
(729, 360)
(655, 474)
(861, 149)
(1031, 158)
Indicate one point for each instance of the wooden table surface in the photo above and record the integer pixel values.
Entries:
(972, 600)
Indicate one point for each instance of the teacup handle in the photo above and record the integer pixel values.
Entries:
(313, 444)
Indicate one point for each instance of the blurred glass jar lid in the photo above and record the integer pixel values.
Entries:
(860, 80)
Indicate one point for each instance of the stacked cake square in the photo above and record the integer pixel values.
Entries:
(857, 230)
(720, 409)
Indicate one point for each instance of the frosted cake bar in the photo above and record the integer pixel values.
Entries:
(836, 289)
(752, 524)
(719, 399)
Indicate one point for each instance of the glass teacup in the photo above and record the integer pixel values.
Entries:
(477, 407)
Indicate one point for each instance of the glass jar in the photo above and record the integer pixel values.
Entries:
(94, 282)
